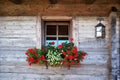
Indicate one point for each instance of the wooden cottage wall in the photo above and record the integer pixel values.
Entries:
(20, 33)
(84, 35)
(17, 34)
(84, 31)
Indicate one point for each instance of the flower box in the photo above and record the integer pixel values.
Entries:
(64, 54)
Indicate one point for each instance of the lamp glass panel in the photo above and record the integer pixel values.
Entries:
(99, 34)
(99, 28)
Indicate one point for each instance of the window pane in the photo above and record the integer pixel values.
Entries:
(51, 29)
(51, 39)
(63, 30)
(62, 40)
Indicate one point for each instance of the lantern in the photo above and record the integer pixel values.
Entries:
(100, 30)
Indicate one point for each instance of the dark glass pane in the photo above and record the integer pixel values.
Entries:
(63, 38)
(51, 30)
(51, 38)
(63, 30)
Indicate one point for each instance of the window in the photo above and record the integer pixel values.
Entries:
(57, 32)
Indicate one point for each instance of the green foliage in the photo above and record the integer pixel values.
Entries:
(65, 53)
(53, 57)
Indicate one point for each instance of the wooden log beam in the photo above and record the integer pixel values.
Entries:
(89, 1)
(53, 1)
(118, 1)
(16, 1)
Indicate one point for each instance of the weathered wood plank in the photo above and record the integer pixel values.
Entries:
(17, 42)
(91, 43)
(13, 48)
(17, 23)
(17, 27)
(50, 77)
(17, 31)
(95, 70)
(18, 36)
(17, 18)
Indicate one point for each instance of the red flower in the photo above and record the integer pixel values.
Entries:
(52, 43)
(31, 60)
(83, 53)
(82, 57)
(30, 64)
(64, 53)
(68, 52)
(33, 51)
(76, 55)
(69, 47)
(64, 62)
(75, 59)
(78, 64)
(69, 57)
(72, 62)
(69, 63)
(26, 54)
(30, 50)
(42, 58)
(75, 50)
(59, 46)
(71, 39)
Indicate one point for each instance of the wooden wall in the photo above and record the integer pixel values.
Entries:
(16, 35)
(19, 33)
(62, 8)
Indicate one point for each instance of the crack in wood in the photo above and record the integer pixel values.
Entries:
(53, 1)
(89, 1)
(16, 1)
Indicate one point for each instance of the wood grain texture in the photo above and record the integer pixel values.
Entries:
(63, 7)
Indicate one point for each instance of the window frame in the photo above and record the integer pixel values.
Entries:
(57, 24)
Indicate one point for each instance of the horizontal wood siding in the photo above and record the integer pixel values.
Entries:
(84, 32)
(17, 34)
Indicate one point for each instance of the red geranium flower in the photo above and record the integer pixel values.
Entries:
(52, 43)
(68, 52)
(78, 64)
(69, 57)
(75, 50)
(71, 39)
(26, 54)
(31, 60)
(33, 51)
(64, 53)
(82, 57)
(72, 62)
(42, 58)
(59, 46)
(30, 50)
(30, 64)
